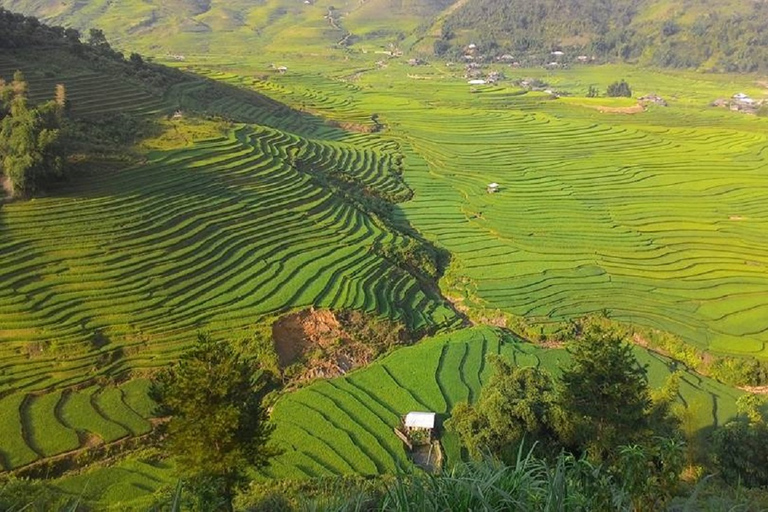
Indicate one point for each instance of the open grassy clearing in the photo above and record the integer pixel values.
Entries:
(345, 425)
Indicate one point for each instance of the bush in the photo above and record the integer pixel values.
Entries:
(619, 89)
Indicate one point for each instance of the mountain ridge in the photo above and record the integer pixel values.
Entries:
(701, 34)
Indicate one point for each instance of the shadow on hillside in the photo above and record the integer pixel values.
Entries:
(206, 96)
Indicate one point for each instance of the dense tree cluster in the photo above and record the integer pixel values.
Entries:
(19, 31)
(31, 152)
(619, 89)
(721, 38)
(218, 428)
(600, 408)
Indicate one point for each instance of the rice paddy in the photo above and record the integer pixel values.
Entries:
(116, 272)
(656, 218)
(345, 425)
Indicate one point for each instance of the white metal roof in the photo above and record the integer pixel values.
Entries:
(493, 185)
(476, 82)
(420, 420)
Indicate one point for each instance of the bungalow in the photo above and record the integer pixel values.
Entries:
(477, 82)
(492, 188)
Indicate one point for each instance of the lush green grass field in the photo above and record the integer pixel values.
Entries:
(345, 425)
(117, 270)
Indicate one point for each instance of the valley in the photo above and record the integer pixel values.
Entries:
(294, 174)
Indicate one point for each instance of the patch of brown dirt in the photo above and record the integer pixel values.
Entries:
(294, 334)
(352, 127)
(551, 343)
(5, 188)
(758, 390)
(735, 217)
(319, 343)
(634, 109)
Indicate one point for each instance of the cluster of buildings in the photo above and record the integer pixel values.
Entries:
(739, 102)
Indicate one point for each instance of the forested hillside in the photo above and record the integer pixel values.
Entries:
(728, 36)
(722, 36)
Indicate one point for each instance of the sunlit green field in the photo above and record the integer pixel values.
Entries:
(346, 425)
(116, 272)
(655, 217)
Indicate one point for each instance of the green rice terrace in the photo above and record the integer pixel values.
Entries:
(655, 216)
(348, 184)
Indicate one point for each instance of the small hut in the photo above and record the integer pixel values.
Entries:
(419, 428)
(492, 188)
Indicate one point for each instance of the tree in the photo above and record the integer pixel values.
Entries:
(517, 404)
(604, 396)
(592, 92)
(740, 447)
(218, 427)
(619, 89)
(30, 148)
(97, 39)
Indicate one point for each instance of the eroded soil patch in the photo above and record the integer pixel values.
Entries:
(320, 343)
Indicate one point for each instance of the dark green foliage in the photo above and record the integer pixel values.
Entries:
(517, 404)
(740, 447)
(619, 30)
(30, 150)
(601, 402)
(605, 398)
(527, 483)
(619, 89)
(218, 429)
(592, 92)
(418, 257)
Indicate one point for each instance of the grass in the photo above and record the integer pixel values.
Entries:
(655, 217)
(219, 226)
(78, 409)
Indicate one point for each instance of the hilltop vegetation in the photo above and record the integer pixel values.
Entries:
(726, 36)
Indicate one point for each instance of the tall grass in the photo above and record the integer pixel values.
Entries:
(531, 484)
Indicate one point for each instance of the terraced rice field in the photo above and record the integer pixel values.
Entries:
(90, 93)
(659, 224)
(36, 426)
(656, 218)
(345, 425)
(115, 273)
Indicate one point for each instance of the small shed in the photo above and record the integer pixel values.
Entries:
(420, 421)
(492, 188)
(477, 82)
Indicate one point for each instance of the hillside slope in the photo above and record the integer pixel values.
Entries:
(729, 35)
(237, 26)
